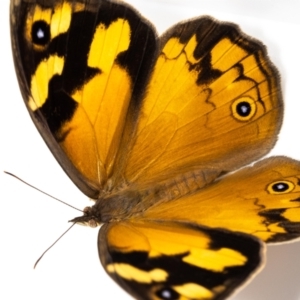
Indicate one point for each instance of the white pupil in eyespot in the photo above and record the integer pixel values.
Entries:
(280, 186)
(40, 34)
(244, 109)
(166, 294)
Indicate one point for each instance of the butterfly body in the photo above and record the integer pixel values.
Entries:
(154, 130)
(135, 203)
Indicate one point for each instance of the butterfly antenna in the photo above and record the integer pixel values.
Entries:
(42, 191)
(52, 245)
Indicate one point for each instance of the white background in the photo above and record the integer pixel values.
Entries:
(30, 221)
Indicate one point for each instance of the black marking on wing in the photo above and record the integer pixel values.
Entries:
(274, 216)
(179, 272)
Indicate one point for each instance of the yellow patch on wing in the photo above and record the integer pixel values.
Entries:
(215, 260)
(194, 291)
(292, 214)
(40, 80)
(108, 43)
(131, 273)
(61, 19)
(225, 54)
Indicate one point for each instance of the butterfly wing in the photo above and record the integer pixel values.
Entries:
(161, 260)
(81, 66)
(213, 104)
(262, 200)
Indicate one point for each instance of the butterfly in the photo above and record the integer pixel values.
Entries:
(156, 131)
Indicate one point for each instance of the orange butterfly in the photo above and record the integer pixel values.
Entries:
(150, 128)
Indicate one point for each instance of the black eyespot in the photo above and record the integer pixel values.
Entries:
(167, 294)
(280, 187)
(40, 33)
(243, 109)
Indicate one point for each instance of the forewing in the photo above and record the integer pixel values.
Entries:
(161, 260)
(213, 104)
(80, 65)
